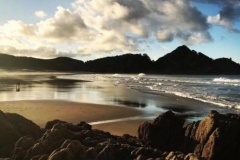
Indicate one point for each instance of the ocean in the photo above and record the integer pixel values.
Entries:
(190, 96)
(223, 91)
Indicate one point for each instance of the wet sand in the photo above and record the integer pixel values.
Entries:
(42, 111)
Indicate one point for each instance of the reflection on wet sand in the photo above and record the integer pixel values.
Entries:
(129, 103)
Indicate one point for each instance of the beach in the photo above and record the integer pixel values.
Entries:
(42, 111)
(114, 103)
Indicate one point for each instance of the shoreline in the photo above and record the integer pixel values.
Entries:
(42, 111)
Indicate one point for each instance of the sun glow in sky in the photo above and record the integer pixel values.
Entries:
(90, 29)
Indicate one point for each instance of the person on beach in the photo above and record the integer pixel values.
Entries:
(18, 87)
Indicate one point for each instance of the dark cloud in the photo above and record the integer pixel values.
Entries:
(137, 9)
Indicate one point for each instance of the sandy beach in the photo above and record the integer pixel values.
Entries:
(42, 111)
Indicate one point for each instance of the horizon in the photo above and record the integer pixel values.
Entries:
(88, 30)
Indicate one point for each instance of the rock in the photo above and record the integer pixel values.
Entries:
(214, 138)
(141, 157)
(63, 154)
(107, 153)
(25, 143)
(70, 150)
(85, 125)
(68, 126)
(21, 146)
(175, 156)
(50, 124)
(76, 147)
(13, 127)
(192, 156)
(165, 132)
(91, 153)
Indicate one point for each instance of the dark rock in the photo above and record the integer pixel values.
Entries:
(165, 132)
(50, 124)
(70, 150)
(175, 156)
(85, 125)
(215, 138)
(192, 156)
(13, 127)
(141, 157)
(21, 146)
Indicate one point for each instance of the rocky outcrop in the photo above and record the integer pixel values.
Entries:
(166, 138)
(214, 138)
(65, 141)
(13, 127)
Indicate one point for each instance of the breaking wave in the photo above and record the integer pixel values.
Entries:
(226, 80)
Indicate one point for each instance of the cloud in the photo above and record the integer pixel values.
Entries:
(40, 14)
(17, 28)
(108, 41)
(224, 22)
(163, 48)
(97, 26)
(64, 26)
(20, 46)
(142, 19)
(165, 35)
(228, 14)
(40, 52)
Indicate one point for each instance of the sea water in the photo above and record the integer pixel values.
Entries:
(223, 91)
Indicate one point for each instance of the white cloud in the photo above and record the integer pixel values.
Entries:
(40, 14)
(141, 19)
(224, 22)
(17, 28)
(63, 27)
(108, 41)
(108, 25)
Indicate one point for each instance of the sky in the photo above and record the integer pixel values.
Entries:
(91, 29)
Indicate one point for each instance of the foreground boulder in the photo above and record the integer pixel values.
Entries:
(13, 127)
(165, 132)
(214, 138)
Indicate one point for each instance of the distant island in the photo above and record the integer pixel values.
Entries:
(182, 60)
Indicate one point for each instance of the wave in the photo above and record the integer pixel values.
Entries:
(204, 89)
(115, 75)
(141, 74)
(226, 80)
(211, 101)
